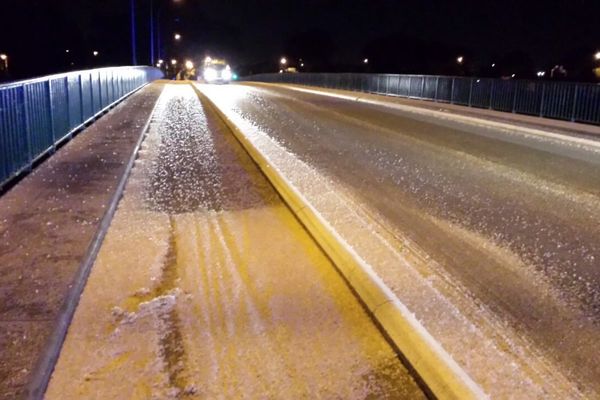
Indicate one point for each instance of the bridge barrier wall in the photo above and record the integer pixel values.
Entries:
(577, 102)
(38, 114)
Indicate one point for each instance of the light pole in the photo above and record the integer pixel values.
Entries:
(133, 34)
(154, 29)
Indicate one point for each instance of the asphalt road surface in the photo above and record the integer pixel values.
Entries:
(512, 218)
(207, 286)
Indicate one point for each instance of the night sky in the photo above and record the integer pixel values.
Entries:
(520, 36)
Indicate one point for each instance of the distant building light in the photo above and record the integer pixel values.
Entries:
(95, 53)
(173, 62)
(493, 65)
(161, 62)
(3, 57)
(67, 51)
(513, 75)
(460, 59)
(302, 64)
(177, 36)
(541, 74)
(366, 61)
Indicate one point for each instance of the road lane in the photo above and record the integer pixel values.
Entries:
(511, 219)
(207, 287)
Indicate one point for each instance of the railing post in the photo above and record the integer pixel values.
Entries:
(27, 127)
(452, 90)
(437, 84)
(81, 99)
(51, 114)
(514, 104)
(470, 91)
(422, 87)
(574, 109)
(542, 102)
(492, 94)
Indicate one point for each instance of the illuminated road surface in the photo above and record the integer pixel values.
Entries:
(207, 287)
(503, 228)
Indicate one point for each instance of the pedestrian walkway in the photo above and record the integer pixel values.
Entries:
(47, 222)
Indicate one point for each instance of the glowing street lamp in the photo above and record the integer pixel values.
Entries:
(283, 61)
(173, 62)
(366, 61)
(4, 59)
(460, 59)
(541, 74)
(189, 64)
(597, 55)
(95, 53)
(177, 36)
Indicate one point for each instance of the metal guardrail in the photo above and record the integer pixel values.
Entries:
(578, 102)
(38, 114)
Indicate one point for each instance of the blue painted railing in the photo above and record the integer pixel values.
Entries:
(578, 102)
(38, 114)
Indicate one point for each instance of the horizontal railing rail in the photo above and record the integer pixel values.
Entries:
(577, 102)
(38, 114)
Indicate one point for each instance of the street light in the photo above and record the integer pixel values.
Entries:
(177, 36)
(189, 64)
(4, 59)
(173, 62)
(283, 61)
(95, 53)
(597, 55)
(366, 61)
(541, 74)
(460, 59)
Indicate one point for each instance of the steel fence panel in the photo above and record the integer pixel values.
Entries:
(568, 101)
(37, 111)
(75, 101)
(528, 99)
(558, 98)
(461, 91)
(59, 107)
(14, 147)
(429, 87)
(481, 90)
(504, 95)
(588, 104)
(37, 114)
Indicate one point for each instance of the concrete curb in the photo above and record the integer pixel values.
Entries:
(41, 376)
(444, 378)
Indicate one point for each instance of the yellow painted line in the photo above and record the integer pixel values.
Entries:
(440, 373)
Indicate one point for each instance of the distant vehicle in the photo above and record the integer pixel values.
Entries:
(291, 70)
(187, 73)
(216, 70)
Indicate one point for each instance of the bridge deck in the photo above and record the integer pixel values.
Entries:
(207, 286)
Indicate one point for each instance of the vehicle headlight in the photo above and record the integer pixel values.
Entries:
(226, 75)
(210, 74)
